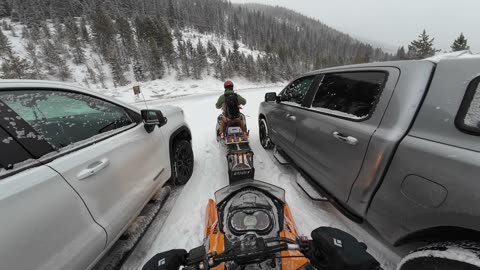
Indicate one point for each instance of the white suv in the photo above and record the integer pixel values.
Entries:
(76, 168)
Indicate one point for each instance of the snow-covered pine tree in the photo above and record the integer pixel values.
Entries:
(5, 26)
(116, 68)
(15, 67)
(138, 71)
(422, 47)
(171, 14)
(91, 75)
(84, 30)
(59, 30)
(5, 46)
(218, 68)
(165, 42)
(201, 62)
(184, 60)
(100, 73)
(460, 44)
(223, 52)
(103, 32)
(32, 53)
(46, 30)
(126, 35)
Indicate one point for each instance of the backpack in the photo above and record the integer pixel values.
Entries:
(231, 106)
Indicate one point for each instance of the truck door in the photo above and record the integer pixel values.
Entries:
(333, 137)
(283, 117)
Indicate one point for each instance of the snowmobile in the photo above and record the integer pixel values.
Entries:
(232, 133)
(239, 154)
(250, 226)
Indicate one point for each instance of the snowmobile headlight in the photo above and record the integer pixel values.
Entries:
(257, 220)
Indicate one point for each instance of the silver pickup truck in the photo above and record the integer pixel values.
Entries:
(394, 144)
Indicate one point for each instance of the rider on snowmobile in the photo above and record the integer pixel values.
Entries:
(229, 102)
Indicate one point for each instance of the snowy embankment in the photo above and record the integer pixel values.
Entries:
(184, 227)
(169, 87)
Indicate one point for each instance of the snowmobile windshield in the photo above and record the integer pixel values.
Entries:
(275, 191)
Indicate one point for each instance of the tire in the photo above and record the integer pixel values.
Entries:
(443, 256)
(182, 162)
(265, 140)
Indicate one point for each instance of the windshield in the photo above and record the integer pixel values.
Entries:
(275, 191)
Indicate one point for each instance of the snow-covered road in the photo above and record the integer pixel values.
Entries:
(184, 227)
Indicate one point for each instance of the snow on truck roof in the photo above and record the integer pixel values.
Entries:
(452, 55)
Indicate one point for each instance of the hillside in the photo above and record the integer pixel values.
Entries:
(117, 43)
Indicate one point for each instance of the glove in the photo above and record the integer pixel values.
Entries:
(334, 249)
(168, 260)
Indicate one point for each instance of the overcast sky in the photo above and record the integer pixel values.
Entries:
(394, 22)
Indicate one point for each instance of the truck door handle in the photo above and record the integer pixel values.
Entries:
(93, 168)
(346, 139)
(291, 117)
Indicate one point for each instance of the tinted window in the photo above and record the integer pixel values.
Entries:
(63, 118)
(351, 95)
(297, 90)
(468, 117)
(11, 152)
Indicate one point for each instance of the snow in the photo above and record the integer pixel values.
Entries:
(169, 87)
(463, 252)
(184, 227)
(20, 165)
(452, 55)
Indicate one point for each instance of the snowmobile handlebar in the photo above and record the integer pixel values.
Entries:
(250, 250)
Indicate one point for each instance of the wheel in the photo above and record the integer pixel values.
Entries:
(444, 256)
(182, 162)
(265, 140)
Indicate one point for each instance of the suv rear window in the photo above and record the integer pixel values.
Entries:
(351, 95)
(468, 117)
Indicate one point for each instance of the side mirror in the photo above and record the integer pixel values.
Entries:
(270, 97)
(152, 118)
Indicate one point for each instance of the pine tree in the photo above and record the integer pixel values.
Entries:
(200, 60)
(59, 30)
(91, 75)
(5, 9)
(184, 61)
(460, 44)
(100, 73)
(422, 47)
(172, 18)
(5, 25)
(126, 35)
(35, 34)
(14, 67)
(103, 31)
(223, 52)
(116, 68)
(5, 46)
(401, 55)
(84, 30)
(72, 31)
(46, 31)
(138, 71)
(31, 49)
